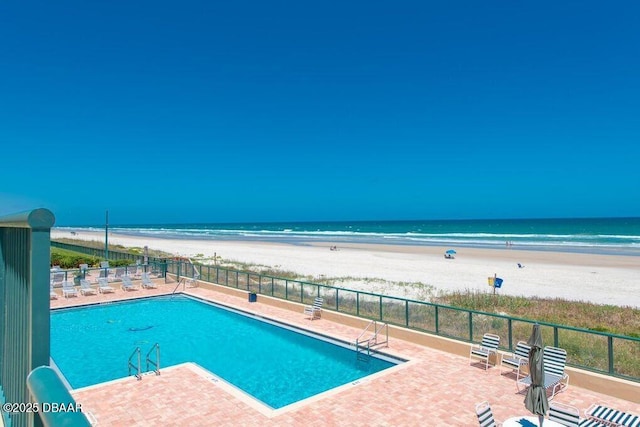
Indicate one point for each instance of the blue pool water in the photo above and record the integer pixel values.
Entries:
(276, 365)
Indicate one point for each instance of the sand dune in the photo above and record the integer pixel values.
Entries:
(605, 279)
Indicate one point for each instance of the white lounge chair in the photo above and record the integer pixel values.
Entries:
(517, 359)
(68, 289)
(485, 415)
(147, 283)
(52, 293)
(133, 271)
(127, 284)
(555, 378)
(119, 273)
(192, 282)
(314, 311)
(103, 285)
(84, 269)
(85, 287)
(56, 278)
(485, 349)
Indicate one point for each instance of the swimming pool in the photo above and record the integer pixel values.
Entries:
(274, 364)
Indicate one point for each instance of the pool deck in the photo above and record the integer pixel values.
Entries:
(434, 389)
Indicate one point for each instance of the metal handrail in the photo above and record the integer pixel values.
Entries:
(373, 322)
(373, 341)
(155, 347)
(180, 282)
(131, 365)
(384, 326)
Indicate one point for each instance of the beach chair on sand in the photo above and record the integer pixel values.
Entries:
(68, 289)
(147, 283)
(517, 359)
(85, 287)
(127, 284)
(103, 285)
(314, 311)
(485, 415)
(485, 349)
(555, 378)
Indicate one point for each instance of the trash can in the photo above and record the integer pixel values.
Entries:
(253, 297)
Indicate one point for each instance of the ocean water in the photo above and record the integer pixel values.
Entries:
(620, 236)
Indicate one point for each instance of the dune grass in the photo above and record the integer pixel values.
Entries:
(602, 318)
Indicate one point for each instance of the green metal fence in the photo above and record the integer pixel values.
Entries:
(601, 352)
(606, 353)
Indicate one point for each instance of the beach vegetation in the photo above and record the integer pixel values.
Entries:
(119, 262)
(97, 244)
(68, 259)
(579, 314)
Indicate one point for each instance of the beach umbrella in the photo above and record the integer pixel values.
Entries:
(450, 252)
(536, 398)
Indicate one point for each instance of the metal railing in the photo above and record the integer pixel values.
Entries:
(155, 363)
(365, 343)
(136, 368)
(602, 352)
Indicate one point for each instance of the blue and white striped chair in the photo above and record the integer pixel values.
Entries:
(517, 359)
(570, 416)
(555, 378)
(487, 347)
(485, 415)
(612, 416)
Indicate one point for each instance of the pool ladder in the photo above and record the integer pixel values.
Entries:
(365, 344)
(137, 366)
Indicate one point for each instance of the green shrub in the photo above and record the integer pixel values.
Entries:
(120, 262)
(67, 259)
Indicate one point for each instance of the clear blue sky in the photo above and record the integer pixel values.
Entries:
(212, 111)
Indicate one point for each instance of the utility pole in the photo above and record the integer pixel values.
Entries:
(106, 237)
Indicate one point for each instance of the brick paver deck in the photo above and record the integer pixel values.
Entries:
(433, 389)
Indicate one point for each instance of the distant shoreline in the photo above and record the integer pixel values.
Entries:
(411, 271)
(357, 239)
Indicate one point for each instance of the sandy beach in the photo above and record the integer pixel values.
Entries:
(404, 271)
